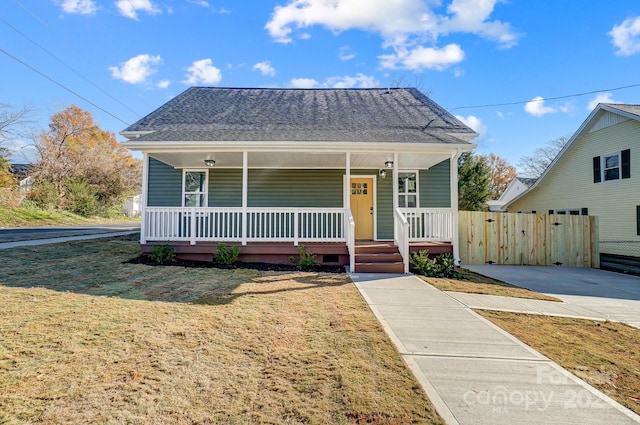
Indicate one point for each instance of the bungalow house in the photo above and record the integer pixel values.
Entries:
(515, 187)
(596, 173)
(357, 176)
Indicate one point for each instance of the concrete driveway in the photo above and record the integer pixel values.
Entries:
(614, 296)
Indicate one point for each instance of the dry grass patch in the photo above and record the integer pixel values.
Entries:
(85, 338)
(474, 283)
(604, 354)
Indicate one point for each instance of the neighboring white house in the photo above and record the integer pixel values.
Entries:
(596, 173)
(516, 187)
(132, 206)
(25, 181)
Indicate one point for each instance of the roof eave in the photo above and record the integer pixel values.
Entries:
(299, 146)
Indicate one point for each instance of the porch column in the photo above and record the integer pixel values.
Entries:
(347, 188)
(395, 182)
(143, 198)
(453, 179)
(245, 184)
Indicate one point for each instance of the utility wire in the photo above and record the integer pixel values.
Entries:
(545, 98)
(62, 86)
(69, 67)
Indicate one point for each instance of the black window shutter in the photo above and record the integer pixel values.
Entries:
(626, 163)
(596, 169)
(584, 211)
(638, 219)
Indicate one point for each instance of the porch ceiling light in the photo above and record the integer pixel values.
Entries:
(210, 162)
(388, 164)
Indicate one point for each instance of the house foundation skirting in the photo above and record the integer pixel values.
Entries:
(279, 253)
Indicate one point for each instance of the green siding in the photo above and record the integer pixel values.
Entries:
(165, 185)
(435, 189)
(295, 188)
(384, 199)
(225, 187)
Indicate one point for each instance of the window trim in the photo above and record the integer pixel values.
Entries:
(405, 194)
(206, 185)
(603, 169)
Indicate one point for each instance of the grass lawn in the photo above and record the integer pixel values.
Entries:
(475, 283)
(86, 338)
(606, 354)
(28, 217)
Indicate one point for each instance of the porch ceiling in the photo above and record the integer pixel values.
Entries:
(322, 160)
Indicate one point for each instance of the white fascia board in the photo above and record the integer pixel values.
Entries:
(132, 135)
(319, 147)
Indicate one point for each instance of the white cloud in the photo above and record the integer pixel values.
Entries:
(130, 8)
(337, 82)
(423, 58)
(202, 3)
(600, 98)
(471, 16)
(404, 25)
(80, 7)
(303, 83)
(360, 80)
(345, 53)
(626, 37)
(203, 72)
(265, 68)
(163, 84)
(475, 124)
(137, 69)
(537, 108)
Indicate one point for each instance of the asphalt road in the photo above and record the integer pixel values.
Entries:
(31, 233)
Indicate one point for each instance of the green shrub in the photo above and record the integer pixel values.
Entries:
(442, 266)
(305, 259)
(162, 254)
(82, 199)
(44, 195)
(225, 255)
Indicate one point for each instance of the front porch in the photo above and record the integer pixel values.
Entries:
(273, 235)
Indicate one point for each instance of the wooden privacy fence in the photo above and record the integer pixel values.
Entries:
(528, 239)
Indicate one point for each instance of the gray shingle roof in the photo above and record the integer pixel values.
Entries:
(527, 181)
(631, 109)
(225, 114)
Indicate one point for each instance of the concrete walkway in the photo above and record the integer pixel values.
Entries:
(474, 372)
(6, 245)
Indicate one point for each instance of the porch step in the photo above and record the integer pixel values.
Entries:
(378, 258)
(395, 268)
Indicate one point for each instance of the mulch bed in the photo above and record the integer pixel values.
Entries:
(144, 259)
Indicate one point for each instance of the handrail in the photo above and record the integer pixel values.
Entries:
(429, 224)
(401, 236)
(350, 234)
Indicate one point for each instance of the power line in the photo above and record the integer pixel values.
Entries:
(62, 86)
(69, 67)
(545, 98)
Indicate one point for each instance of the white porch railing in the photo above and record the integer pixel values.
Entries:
(429, 224)
(262, 224)
(401, 229)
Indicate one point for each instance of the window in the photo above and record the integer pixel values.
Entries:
(571, 211)
(194, 188)
(408, 190)
(638, 220)
(612, 167)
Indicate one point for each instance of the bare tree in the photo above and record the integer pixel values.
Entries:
(534, 165)
(401, 81)
(11, 123)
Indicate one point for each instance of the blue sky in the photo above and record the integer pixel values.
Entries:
(128, 57)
